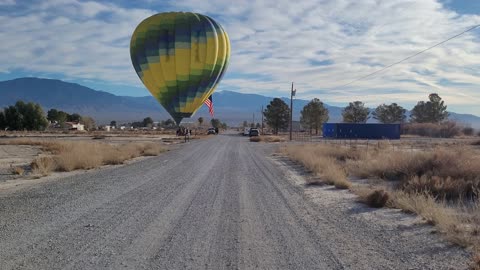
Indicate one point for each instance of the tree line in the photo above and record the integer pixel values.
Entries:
(30, 116)
(216, 123)
(315, 113)
(60, 118)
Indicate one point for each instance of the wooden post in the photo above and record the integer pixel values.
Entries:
(291, 111)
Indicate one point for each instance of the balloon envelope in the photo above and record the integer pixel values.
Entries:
(180, 58)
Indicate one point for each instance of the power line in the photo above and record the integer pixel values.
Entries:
(409, 57)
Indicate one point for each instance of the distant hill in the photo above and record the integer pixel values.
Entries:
(104, 107)
(72, 97)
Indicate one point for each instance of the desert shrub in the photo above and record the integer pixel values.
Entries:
(427, 206)
(98, 137)
(255, 139)
(443, 187)
(43, 165)
(272, 138)
(322, 161)
(476, 142)
(17, 170)
(449, 173)
(342, 182)
(468, 131)
(377, 198)
(68, 155)
(82, 156)
(385, 165)
(446, 129)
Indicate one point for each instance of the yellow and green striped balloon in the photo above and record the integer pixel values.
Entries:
(180, 57)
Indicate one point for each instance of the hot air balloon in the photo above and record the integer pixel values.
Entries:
(180, 58)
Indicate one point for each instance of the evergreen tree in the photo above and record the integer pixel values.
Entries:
(25, 116)
(355, 112)
(313, 115)
(389, 114)
(277, 115)
(216, 123)
(147, 122)
(432, 111)
(74, 117)
(3, 123)
(169, 123)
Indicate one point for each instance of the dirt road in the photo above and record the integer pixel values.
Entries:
(219, 203)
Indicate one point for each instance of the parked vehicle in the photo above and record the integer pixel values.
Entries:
(254, 132)
(246, 131)
(211, 131)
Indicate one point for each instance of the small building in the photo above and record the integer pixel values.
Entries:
(106, 128)
(361, 131)
(74, 126)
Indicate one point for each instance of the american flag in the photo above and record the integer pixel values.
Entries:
(209, 103)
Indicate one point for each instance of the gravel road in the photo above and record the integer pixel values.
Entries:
(219, 203)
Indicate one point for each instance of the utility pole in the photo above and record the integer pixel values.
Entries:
(262, 120)
(292, 94)
(253, 120)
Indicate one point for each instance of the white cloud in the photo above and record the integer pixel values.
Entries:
(279, 40)
(7, 2)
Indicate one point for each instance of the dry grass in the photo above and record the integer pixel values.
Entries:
(424, 205)
(43, 166)
(439, 184)
(74, 156)
(449, 173)
(377, 198)
(267, 138)
(459, 223)
(83, 155)
(272, 138)
(323, 165)
(448, 129)
(255, 139)
(17, 170)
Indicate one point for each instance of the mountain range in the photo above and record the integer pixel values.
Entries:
(231, 107)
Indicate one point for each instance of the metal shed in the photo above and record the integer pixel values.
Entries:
(361, 131)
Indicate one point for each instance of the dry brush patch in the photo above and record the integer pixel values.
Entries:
(67, 156)
(255, 139)
(267, 138)
(17, 170)
(439, 184)
(322, 162)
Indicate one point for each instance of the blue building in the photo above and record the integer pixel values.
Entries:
(361, 131)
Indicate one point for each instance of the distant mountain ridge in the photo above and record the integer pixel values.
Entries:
(231, 107)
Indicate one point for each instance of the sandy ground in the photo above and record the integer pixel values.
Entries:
(14, 156)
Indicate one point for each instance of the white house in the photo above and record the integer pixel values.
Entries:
(74, 126)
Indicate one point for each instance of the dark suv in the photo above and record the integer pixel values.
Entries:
(253, 132)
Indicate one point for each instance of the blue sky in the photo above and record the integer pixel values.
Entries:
(318, 44)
